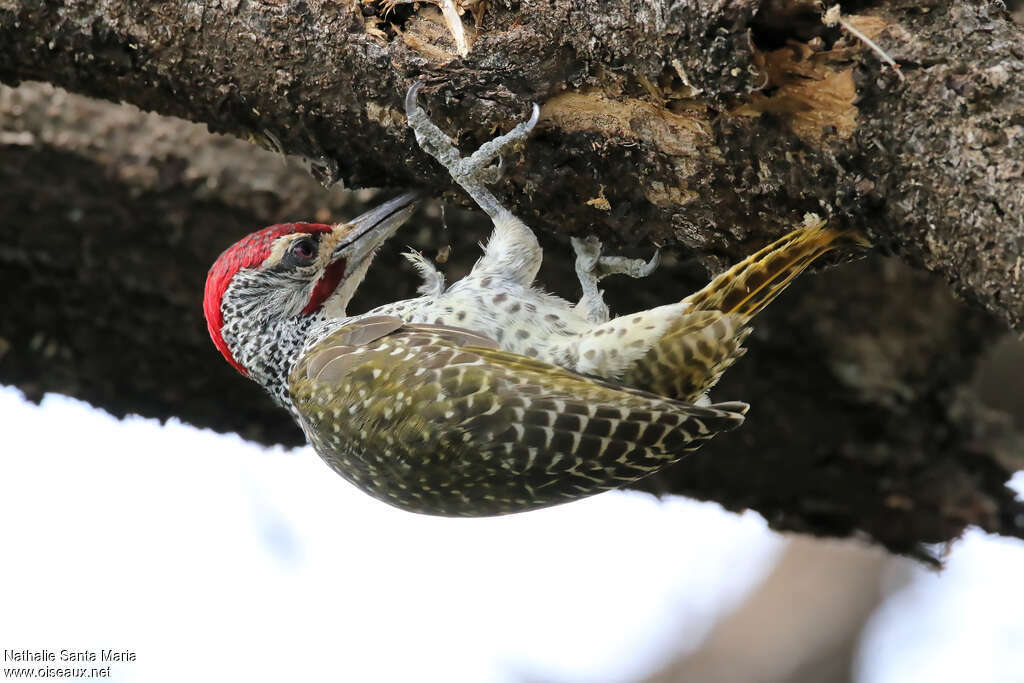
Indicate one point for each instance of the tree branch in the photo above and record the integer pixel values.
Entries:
(731, 119)
(713, 127)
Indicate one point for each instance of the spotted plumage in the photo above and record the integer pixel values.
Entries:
(487, 396)
(438, 420)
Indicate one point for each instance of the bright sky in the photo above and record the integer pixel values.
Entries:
(215, 559)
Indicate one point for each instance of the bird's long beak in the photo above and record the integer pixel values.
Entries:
(362, 236)
(355, 244)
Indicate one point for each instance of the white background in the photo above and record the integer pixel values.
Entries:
(214, 559)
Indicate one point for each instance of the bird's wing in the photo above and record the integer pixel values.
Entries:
(436, 419)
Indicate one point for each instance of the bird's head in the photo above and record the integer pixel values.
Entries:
(286, 276)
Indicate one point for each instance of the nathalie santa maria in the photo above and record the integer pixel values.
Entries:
(106, 655)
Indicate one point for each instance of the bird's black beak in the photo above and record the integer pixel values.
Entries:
(362, 236)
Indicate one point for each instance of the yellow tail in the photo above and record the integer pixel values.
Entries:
(698, 346)
(754, 282)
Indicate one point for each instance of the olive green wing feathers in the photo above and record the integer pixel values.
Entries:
(437, 419)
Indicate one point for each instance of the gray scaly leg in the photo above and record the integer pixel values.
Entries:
(469, 172)
(591, 268)
(512, 254)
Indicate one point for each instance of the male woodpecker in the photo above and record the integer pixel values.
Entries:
(490, 396)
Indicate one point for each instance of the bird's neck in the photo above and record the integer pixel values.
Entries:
(269, 348)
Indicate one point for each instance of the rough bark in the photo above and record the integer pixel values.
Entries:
(710, 126)
(729, 118)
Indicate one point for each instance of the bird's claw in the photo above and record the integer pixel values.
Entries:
(590, 261)
(476, 170)
(591, 268)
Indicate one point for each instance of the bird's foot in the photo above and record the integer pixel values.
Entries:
(472, 172)
(591, 268)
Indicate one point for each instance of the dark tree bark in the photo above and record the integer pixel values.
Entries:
(713, 126)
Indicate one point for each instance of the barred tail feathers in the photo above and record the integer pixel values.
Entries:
(690, 355)
(753, 283)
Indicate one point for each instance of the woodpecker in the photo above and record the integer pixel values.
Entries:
(490, 396)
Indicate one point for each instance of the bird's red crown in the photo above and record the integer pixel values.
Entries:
(248, 252)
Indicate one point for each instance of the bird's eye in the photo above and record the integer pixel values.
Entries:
(303, 250)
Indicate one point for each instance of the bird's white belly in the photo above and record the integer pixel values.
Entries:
(521, 320)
